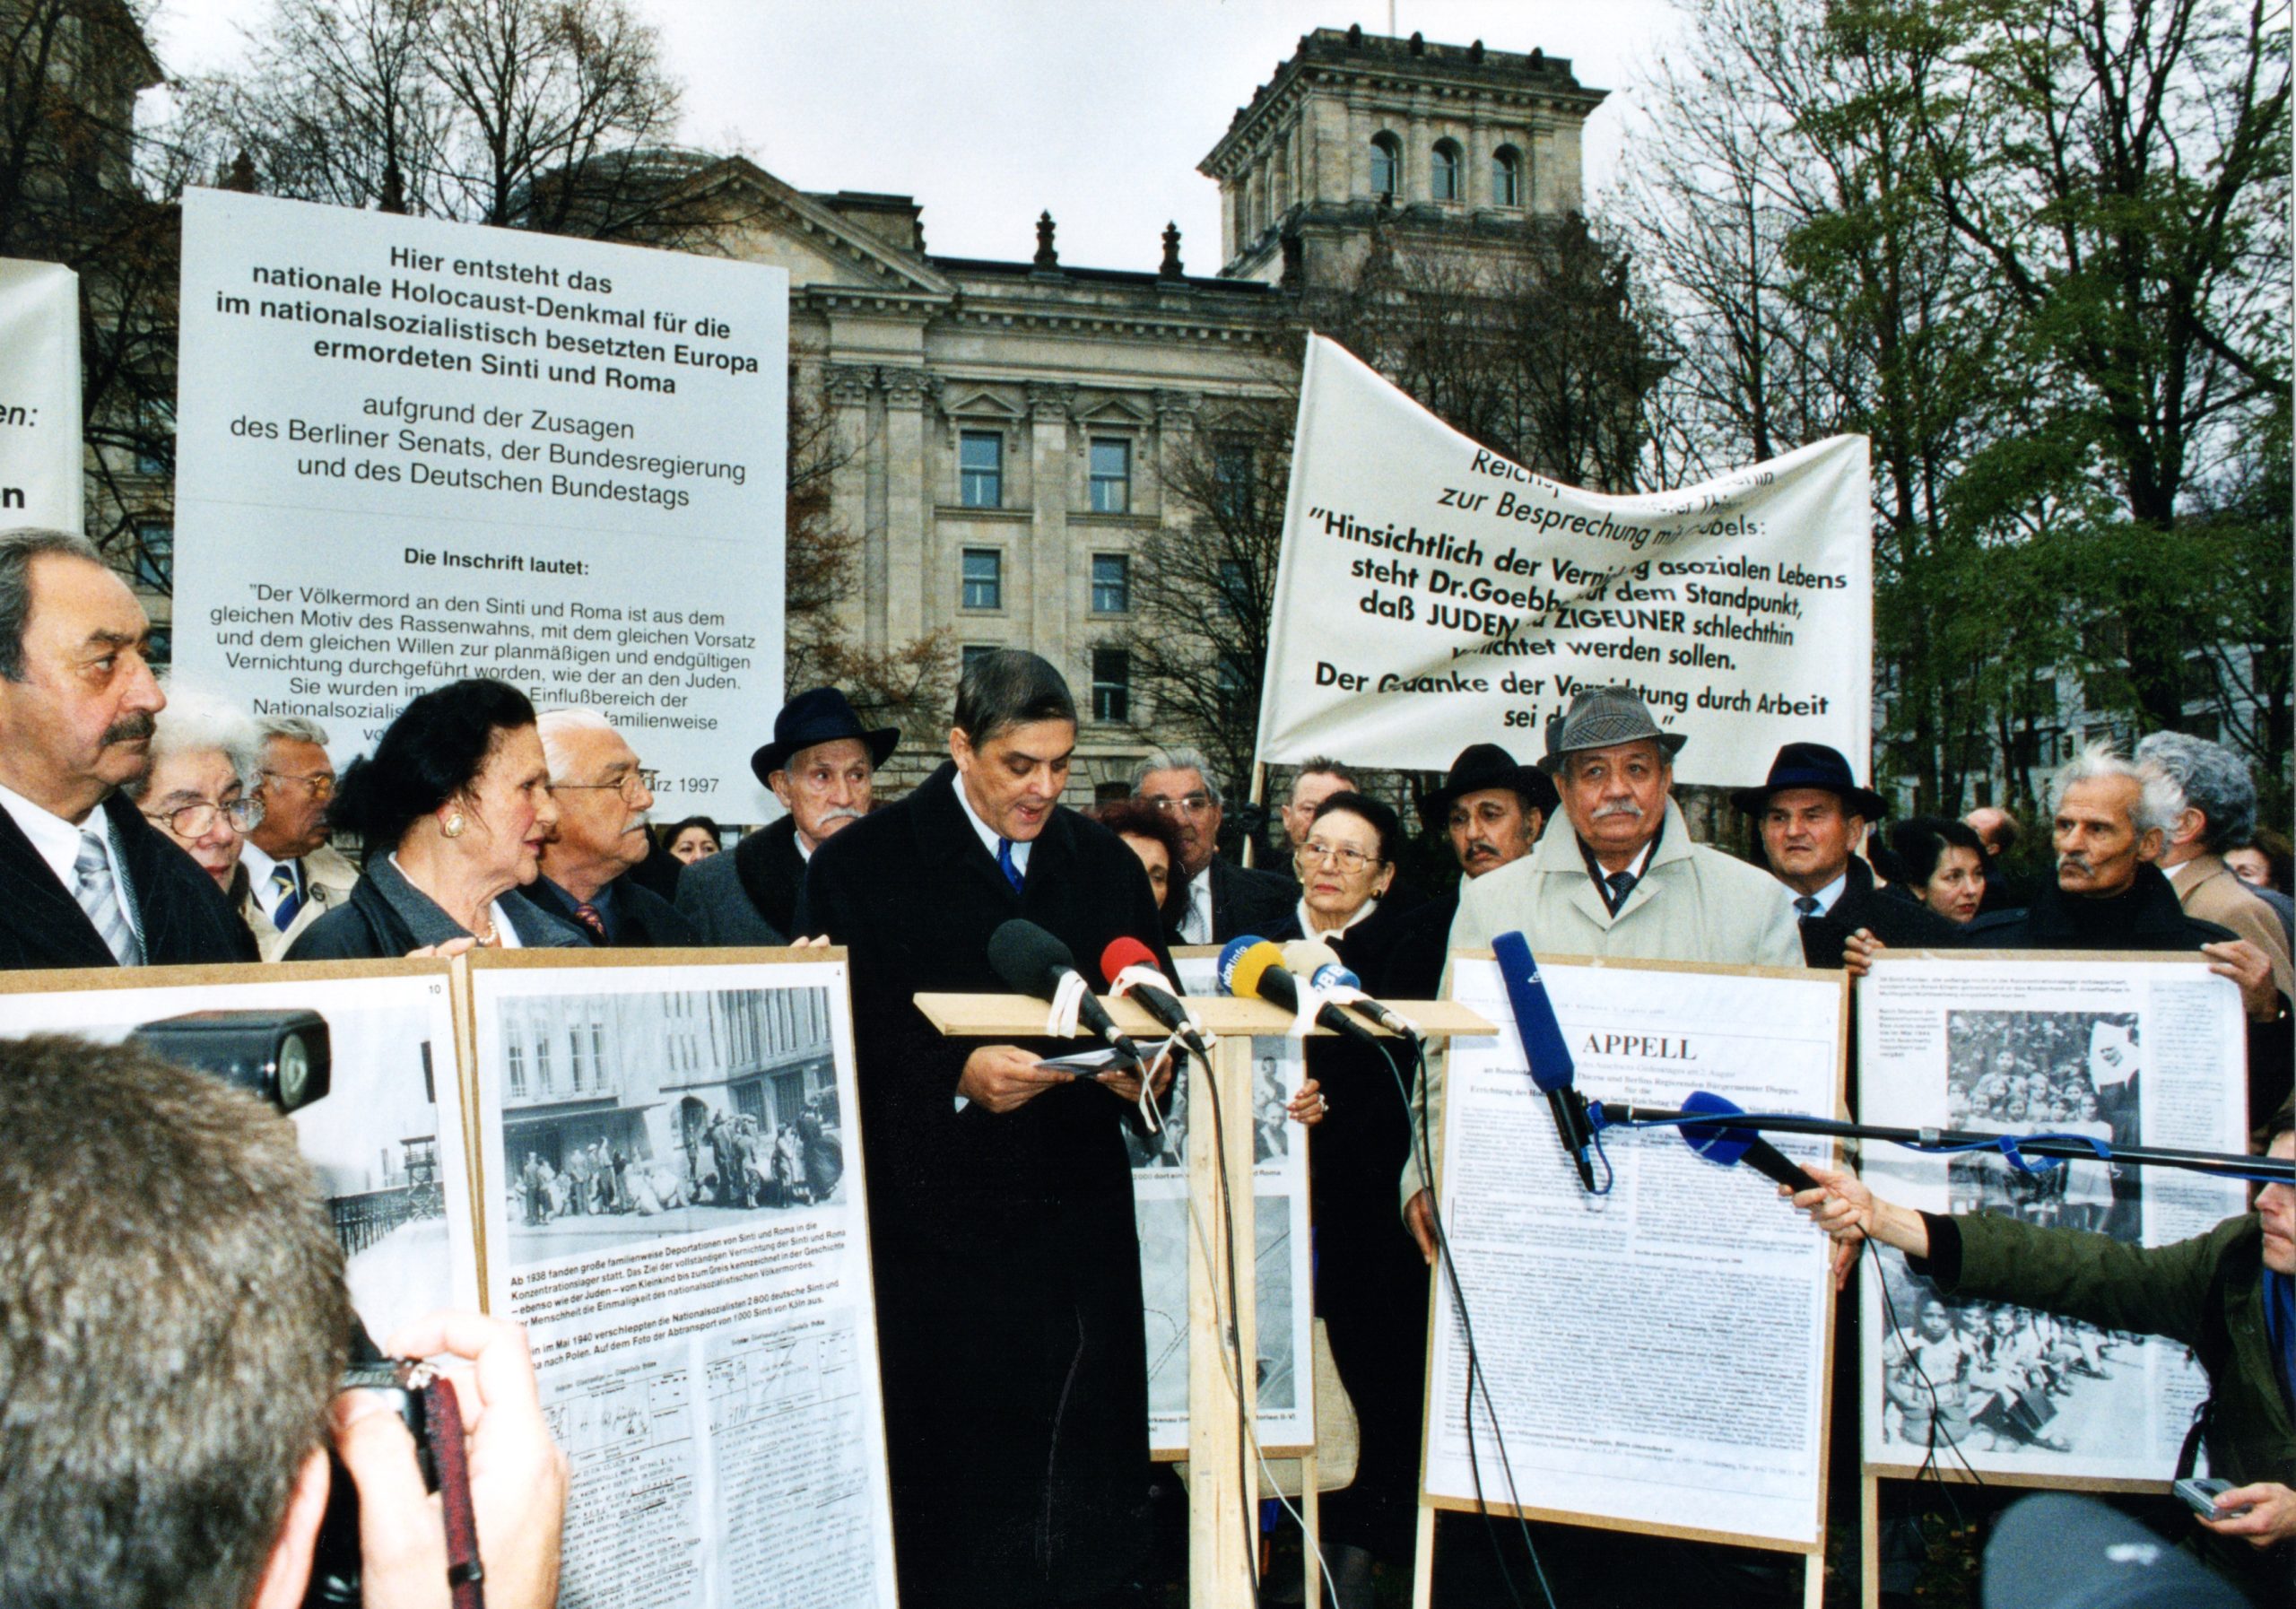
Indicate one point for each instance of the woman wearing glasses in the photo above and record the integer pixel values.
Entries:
(204, 753)
(453, 806)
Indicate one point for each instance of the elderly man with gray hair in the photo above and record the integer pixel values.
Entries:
(2218, 809)
(294, 874)
(601, 834)
(2111, 820)
(1223, 899)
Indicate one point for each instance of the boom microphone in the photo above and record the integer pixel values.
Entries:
(1156, 999)
(1320, 965)
(1253, 968)
(1552, 1068)
(1032, 961)
(1727, 1146)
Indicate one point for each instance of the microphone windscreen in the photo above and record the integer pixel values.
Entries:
(1229, 956)
(1252, 967)
(1302, 957)
(1551, 1067)
(1716, 1142)
(1125, 951)
(1331, 975)
(2061, 1552)
(1028, 959)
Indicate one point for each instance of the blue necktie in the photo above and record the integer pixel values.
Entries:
(291, 897)
(1004, 863)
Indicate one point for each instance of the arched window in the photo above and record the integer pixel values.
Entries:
(1387, 165)
(1507, 176)
(1443, 178)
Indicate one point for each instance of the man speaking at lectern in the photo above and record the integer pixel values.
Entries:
(1000, 1196)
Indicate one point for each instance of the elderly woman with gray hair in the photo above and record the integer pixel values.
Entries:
(206, 752)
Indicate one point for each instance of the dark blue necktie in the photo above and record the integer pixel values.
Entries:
(1005, 864)
(1621, 885)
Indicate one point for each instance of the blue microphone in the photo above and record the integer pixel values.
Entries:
(1544, 1046)
(1726, 1145)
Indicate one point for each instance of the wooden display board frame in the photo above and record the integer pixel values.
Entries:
(1223, 1494)
(1870, 1475)
(1812, 1553)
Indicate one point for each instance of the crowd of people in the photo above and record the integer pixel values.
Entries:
(144, 826)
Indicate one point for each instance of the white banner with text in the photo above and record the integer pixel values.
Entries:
(1432, 595)
(412, 451)
(39, 396)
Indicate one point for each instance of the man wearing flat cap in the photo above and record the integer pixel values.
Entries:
(822, 765)
(1813, 815)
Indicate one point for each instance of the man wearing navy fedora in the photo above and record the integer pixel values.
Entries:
(1813, 817)
(822, 765)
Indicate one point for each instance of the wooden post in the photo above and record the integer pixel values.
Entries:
(1869, 1540)
(1223, 1532)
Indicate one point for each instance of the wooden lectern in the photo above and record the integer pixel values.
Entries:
(1223, 1489)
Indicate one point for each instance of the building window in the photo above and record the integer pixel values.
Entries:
(514, 1061)
(1387, 166)
(1111, 476)
(541, 1063)
(1111, 584)
(1507, 176)
(155, 555)
(1111, 684)
(1232, 476)
(983, 585)
(1443, 177)
(980, 458)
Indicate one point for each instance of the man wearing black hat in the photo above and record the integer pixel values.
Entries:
(1493, 810)
(822, 765)
(1813, 815)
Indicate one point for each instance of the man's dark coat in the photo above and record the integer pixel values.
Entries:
(641, 920)
(1900, 923)
(1007, 1263)
(748, 895)
(772, 872)
(186, 920)
(1245, 899)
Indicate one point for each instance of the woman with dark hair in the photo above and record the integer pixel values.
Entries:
(1155, 836)
(453, 806)
(696, 838)
(1933, 862)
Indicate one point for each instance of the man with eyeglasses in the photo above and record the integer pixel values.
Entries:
(602, 799)
(1223, 899)
(295, 875)
(86, 880)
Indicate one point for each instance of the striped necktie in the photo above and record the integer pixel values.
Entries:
(99, 895)
(588, 915)
(291, 897)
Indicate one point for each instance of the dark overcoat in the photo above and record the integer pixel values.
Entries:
(185, 919)
(1901, 924)
(642, 918)
(1009, 1310)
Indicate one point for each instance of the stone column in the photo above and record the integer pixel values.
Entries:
(1043, 560)
(909, 505)
(857, 486)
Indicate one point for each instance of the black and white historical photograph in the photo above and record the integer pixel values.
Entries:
(2055, 1073)
(635, 1116)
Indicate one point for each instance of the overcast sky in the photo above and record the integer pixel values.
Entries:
(991, 111)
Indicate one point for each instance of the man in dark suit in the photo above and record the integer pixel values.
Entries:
(84, 880)
(1813, 817)
(1223, 899)
(601, 835)
(1000, 1195)
(822, 766)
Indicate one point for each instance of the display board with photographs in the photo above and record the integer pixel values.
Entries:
(386, 1140)
(1283, 1275)
(2124, 1049)
(675, 1207)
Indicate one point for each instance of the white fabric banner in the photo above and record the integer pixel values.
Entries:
(39, 396)
(412, 451)
(1432, 595)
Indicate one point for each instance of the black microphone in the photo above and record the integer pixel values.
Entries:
(1320, 964)
(1544, 1048)
(1158, 1003)
(1032, 961)
(1253, 968)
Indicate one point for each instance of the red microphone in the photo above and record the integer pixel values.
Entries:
(1156, 999)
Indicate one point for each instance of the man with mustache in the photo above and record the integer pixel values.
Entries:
(822, 766)
(84, 880)
(2111, 822)
(601, 834)
(295, 875)
(1492, 810)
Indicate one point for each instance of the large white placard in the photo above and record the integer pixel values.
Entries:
(1432, 595)
(412, 451)
(39, 396)
(2128, 1051)
(1657, 1354)
(673, 1206)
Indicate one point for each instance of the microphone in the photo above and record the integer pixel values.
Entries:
(1156, 999)
(1320, 964)
(1032, 961)
(1727, 1146)
(1552, 1068)
(1253, 968)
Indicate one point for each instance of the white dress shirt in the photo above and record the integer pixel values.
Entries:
(1832, 892)
(1196, 921)
(260, 866)
(989, 837)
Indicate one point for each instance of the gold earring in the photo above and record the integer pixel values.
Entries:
(453, 826)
